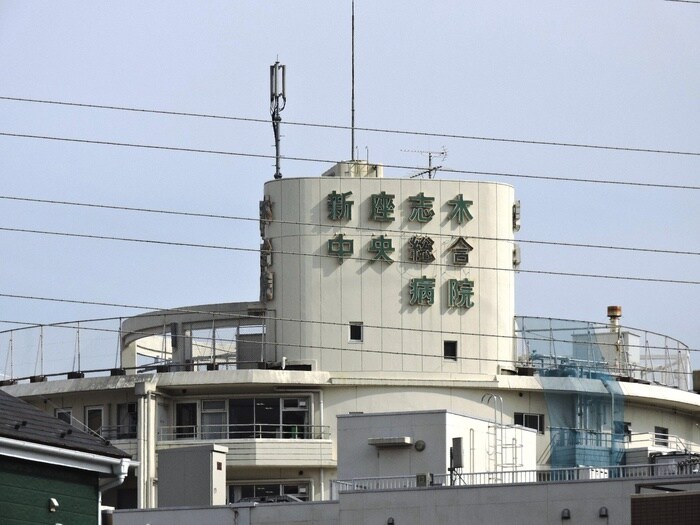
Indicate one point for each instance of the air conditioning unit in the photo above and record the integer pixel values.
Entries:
(424, 479)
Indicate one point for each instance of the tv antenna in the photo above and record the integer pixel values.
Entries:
(432, 170)
(278, 100)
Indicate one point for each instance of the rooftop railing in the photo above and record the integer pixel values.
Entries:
(587, 349)
(684, 469)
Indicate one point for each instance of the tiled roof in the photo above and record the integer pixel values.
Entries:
(21, 421)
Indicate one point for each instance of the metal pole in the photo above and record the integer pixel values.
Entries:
(352, 110)
(278, 100)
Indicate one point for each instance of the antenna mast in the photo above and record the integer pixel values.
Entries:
(432, 170)
(278, 100)
(352, 109)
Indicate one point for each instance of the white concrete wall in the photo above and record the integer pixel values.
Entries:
(358, 459)
(194, 475)
(327, 295)
(535, 503)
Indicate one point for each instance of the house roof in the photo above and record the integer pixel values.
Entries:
(21, 421)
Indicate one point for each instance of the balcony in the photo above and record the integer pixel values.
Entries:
(242, 431)
(258, 444)
(579, 446)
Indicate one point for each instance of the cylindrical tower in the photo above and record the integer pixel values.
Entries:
(363, 273)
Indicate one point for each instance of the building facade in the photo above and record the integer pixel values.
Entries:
(377, 295)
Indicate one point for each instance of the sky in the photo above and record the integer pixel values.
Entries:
(615, 74)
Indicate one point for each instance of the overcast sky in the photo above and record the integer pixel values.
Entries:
(621, 74)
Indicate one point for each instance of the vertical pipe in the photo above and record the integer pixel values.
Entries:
(41, 351)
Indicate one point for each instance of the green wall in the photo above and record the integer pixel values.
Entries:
(25, 489)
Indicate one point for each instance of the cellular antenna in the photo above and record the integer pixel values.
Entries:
(278, 100)
(432, 170)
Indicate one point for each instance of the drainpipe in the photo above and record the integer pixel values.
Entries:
(146, 438)
(120, 471)
(322, 478)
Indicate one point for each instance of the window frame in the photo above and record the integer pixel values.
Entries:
(354, 326)
(95, 408)
(661, 436)
(453, 353)
(61, 413)
(522, 417)
(129, 412)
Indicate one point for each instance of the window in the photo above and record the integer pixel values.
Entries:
(271, 491)
(623, 428)
(450, 350)
(661, 436)
(126, 420)
(214, 419)
(186, 420)
(295, 418)
(533, 421)
(241, 418)
(356, 332)
(64, 414)
(93, 419)
(269, 417)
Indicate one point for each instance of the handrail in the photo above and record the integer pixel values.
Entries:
(243, 431)
(558, 475)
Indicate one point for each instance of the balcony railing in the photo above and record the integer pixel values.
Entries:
(243, 431)
(681, 469)
(570, 437)
(117, 432)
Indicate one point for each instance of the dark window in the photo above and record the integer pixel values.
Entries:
(269, 417)
(623, 428)
(450, 350)
(355, 331)
(240, 418)
(661, 436)
(126, 420)
(295, 418)
(533, 421)
(269, 492)
(64, 414)
(93, 419)
(186, 420)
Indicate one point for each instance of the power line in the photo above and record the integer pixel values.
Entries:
(232, 248)
(366, 129)
(357, 228)
(328, 161)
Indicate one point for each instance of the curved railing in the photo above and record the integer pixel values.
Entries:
(584, 348)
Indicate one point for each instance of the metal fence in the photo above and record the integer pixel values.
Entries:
(689, 468)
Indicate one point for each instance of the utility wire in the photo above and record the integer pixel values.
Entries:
(367, 259)
(366, 129)
(348, 227)
(328, 161)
